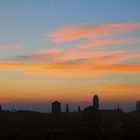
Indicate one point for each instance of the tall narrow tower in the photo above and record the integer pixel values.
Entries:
(96, 102)
(138, 105)
(67, 108)
(79, 109)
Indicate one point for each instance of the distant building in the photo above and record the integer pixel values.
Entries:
(138, 105)
(0, 107)
(67, 108)
(118, 108)
(79, 109)
(56, 107)
(96, 102)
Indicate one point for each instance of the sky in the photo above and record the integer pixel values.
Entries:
(69, 50)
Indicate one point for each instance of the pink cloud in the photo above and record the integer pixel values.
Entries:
(113, 56)
(107, 42)
(127, 56)
(81, 60)
(76, 32)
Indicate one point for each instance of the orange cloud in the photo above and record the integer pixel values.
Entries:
(65, 69)
(120, 88)
(134, 67)
(81, 60)
(107, 42)
(65, 73)
(120, 92)
(70, 55)
(75, 54)
(74, 63)
(76, 32)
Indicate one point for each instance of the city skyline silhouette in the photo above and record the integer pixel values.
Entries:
(68, 51)
(69, 69)
(91, 122)
(65, 107)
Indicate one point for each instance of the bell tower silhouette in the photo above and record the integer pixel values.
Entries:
(96, 102)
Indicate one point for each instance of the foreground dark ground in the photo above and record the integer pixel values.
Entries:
(96, 125)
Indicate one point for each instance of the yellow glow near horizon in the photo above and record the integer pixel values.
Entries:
(77, 72)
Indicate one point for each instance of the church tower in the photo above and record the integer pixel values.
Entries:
(96, 102)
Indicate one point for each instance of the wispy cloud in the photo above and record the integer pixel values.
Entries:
(83, 68)
(75, 32)
(107, 42)
(93, 58)
(59, 56)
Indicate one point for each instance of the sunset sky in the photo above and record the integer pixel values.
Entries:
(69, 50)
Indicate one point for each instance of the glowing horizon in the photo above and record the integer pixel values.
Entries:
(69, 59)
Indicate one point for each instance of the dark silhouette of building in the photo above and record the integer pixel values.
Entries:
(138, 105)
(94, 106)
(79, 109)
(0, 107)
(118, 108)
(67, 108)
(96, 102)
(90, 123)
(56, 107)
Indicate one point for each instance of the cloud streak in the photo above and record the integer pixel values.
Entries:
(96, 57)
(83, 68)
(120, 88)
(127, 92)
(76, 32)
(107, 42)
